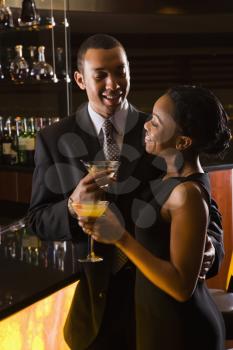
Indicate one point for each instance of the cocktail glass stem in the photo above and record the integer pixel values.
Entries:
(91, 253)
(91, 256)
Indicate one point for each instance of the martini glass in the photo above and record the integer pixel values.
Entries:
(96, 166)
(92, 210)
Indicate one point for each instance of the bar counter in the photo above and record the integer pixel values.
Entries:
(31, 270)
(38, 280)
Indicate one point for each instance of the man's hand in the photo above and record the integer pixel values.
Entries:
(87, 190)
(208, 258)
(90, 188)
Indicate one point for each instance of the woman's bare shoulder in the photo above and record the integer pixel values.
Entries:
(188, 193)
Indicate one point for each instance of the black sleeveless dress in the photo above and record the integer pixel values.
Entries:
(162, 322)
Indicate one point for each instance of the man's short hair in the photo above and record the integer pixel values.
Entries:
(96, 41)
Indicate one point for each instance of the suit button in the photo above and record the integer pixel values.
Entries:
(101, 295)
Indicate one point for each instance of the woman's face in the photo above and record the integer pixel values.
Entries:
(161, 130)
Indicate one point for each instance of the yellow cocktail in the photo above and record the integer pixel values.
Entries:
(90, 209)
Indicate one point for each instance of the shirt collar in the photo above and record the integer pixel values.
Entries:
(118, 119)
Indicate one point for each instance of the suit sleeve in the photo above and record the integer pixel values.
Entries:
(215, 231)
(48, 215)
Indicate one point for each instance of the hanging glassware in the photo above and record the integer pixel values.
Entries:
(29, 14)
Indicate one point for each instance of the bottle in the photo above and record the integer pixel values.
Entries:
(42, 70)
(22, 154)
(19, 66)
(31, 58)
(14, 144)
(9, 155)
(29, 15)
(6, 145)
(6, 18)
(60, 63)
(30, 145)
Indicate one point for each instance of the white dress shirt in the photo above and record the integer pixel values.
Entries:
(118, 120)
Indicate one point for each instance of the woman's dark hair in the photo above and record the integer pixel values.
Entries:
(96, 41)
(201, 116)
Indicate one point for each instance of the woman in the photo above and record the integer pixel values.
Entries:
(173, 307)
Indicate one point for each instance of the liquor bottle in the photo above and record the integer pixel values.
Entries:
(29, 14)
(22, 154)
(14, 144)
(6, 145)
(9, 155)
(6, 18)
(42, 70)
(30, 142)
(19, 66)
(31, 59)
(60, 63)
(23, 139)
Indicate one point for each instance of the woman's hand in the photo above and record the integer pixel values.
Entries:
(106, 229)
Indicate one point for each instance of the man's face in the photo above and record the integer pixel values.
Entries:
(106, 79)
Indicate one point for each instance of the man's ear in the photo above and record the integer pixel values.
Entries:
(183, 142)
(79, 80)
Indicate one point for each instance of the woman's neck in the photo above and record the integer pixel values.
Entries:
(188, 167)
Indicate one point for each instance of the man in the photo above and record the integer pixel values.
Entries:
(102, 311)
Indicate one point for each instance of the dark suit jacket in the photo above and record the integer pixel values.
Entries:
(58, 170)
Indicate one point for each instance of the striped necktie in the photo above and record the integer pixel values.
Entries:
(112, 152)
(110, 147)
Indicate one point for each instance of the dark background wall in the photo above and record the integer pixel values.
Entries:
(168, 42)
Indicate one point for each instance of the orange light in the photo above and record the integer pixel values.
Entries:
(39, 326)
(171, 11)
